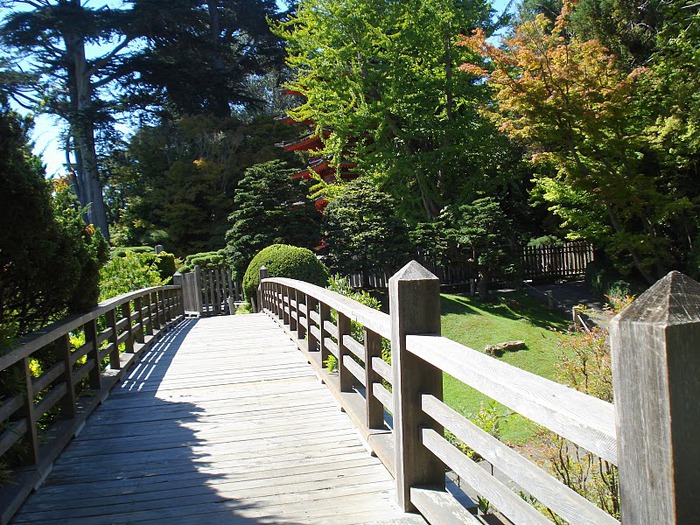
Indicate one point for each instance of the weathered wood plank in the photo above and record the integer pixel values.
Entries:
(205, 428)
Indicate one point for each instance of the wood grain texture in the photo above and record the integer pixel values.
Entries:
(225, 424)
(583, 419)
(656, 380)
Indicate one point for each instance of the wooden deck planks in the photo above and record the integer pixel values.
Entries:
(223, 423)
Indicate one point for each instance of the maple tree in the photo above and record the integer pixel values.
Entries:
(575, 108)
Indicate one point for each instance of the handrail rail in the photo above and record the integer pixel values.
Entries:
(370, 318)
(582, 419)
(590, 422)
(32, 342)
(131, 322)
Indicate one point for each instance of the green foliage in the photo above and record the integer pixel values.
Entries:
(363, 233)
(200, 56)
(120, 251)
(244, 308)
(483, 229)
(270, 208)
(341, 285)
(282, 260)
(382, 79)
(175, 182)
(615, 147)
(128, 273)
(165, 262)
(49, 260)
(204, 260)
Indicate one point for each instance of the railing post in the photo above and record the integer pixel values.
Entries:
(414, 305)
(312, 341)
(293, 309)
(68, 408)
(656, 378)
(262, 273)
(31, 436)
(126, 312)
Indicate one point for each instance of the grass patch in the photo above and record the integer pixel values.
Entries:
(511, 316)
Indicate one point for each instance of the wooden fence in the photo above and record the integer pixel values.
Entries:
(211, 291)
(80, 359)
(556, 262)
(657, 454)
(538, 263)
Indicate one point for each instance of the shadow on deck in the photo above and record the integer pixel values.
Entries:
(224, 422)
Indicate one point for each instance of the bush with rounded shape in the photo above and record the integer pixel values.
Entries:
(282, 260)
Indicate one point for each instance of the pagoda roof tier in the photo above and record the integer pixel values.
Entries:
(310, 142)
(289, 120)
(322, 167)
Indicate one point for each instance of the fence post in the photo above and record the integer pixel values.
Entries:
(262, 273)
(656, 378)
(414, 306)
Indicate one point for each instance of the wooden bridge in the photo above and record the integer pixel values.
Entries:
(225, 420)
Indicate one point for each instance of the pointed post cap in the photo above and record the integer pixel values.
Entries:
(413, 271)
(263, 272)
(672, 300)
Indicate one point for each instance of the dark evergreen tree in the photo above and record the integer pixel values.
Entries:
(270, 208)
(49, 260)
(363, 232)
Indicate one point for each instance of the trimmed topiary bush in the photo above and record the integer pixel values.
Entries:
(205, 260)
(282, 260)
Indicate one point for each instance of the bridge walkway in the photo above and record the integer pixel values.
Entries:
(223, 422)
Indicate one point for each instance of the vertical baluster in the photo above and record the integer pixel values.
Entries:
(301, 310)
(374, 407)
(95, 377)
(138, 310)
(126, 314)
(31, 437)
(324, 315)
(347, 380)
(293, 309)
(68, 402)
(311, 304)
(111, 318)
(155, 319)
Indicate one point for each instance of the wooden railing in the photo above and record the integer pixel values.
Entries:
(51, 383)
(398, 408)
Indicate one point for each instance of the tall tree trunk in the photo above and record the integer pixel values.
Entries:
(82, 131)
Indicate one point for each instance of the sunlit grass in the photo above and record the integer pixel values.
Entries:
(511, 316)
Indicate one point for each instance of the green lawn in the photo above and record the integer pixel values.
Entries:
(512, 316)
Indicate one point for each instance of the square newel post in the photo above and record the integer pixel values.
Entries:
(262, 274)
(655, 346)
(414, 305)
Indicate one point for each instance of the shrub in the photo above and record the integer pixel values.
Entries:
(128, 273)
(121, 250)
(164, 262)
(49, 259)
(282, 260)
(204, 260)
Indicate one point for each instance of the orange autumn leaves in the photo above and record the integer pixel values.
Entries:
(550, 87)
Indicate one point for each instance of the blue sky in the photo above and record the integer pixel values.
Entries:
(47, 130)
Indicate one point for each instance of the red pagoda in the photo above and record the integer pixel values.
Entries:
(319, 166)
